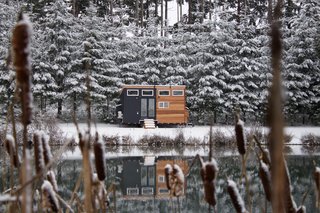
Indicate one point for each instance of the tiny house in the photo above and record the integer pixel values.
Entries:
(159, 104)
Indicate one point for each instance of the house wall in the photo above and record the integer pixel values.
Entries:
(176, 113)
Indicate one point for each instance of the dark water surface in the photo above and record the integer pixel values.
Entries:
(140, 177)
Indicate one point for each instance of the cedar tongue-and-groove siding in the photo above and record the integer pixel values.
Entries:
(174, 113)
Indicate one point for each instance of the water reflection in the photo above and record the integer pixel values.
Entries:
(139, 182)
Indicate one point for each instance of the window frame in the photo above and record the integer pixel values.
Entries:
(178, 90)
(131, 90)
(164, 90)
(147, 90)
(163, 104)
(161, 179)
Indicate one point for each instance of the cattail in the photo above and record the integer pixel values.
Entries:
(316, 176)
(265, 177)
(11, 150)
(240, 136)
(178, 178)
(167, 172)
(52, 179)
(49, 199)
(38, 151)
(46, 148)
(236, 199)
(208, 173)
(99, 158)
(21, 37)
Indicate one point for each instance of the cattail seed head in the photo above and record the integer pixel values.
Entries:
(167, 172)
(265, 178)
(11, 150)
(46, 148)
(49, 199)
(38, 151)
(99, 154)
(236, 199)
(209, 172)
(178, 183)
(240, 136)
(21, 37)
(52, 179)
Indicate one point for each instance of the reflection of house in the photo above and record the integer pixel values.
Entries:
(161, 187)
(138, 176)
(144, 176)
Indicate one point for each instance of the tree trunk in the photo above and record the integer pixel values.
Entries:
(141, 13)
(210, 9)
(137, 13)
(59, 107)
(202, 10)
(190, 18)
(161, 18)
(156, 8)
(147, 11)
(270, 15)
(166, 16)
(238, 12)
(74, 102)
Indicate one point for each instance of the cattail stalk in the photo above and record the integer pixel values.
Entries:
(84, 143)
(275, 116)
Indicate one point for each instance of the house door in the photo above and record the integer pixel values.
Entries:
(147, 108)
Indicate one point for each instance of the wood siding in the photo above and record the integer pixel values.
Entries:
(176, 112)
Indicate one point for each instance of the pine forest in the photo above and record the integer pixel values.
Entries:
(219, 49)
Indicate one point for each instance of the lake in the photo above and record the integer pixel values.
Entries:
(138, 179)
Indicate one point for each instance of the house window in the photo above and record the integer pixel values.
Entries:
(163, 191)
(177, 92)
(132, 191)
(163, 104)
(151, 176)
(164, 92)
(144, 176)
(161, 179)
(132, 92)
(147, 92)
(147, 191)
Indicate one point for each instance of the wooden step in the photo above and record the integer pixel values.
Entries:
(149, 124)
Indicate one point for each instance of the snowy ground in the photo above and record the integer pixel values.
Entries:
(199, 132)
